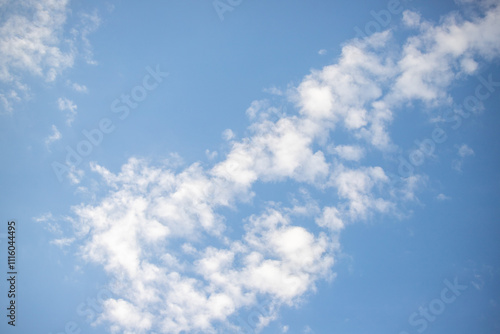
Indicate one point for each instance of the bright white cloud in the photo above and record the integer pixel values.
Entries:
(331, 218)
(30, 43)
(428, 63)
(150, 207)
(356, 186)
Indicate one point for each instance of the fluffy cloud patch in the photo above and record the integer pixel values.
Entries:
(150, 208)
(32, 43)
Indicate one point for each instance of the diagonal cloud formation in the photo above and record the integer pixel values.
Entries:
(162, 240)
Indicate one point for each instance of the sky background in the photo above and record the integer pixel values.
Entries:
(279, 167)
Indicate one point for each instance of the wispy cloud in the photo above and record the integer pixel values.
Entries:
(443, 197)
(49, 223)
(228, 134)
(462, 152)
(63, 242)
(88, 24)
(77, 87)
(56, 135)
(211, 154)
(69, 107)
(274, 91)
(29, 42)
(348, 152)
(32, 43)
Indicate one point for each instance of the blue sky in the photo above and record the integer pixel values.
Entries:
(250, 166)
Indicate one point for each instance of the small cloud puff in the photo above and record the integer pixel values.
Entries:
(56, 135)
(465, 150)
(70, 107)
(228, 134)
(443, 197)
(79, 88)
(274, 91)
(348, 152)
(210, 154)
(411, 19)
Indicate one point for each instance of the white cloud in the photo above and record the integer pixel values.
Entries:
(30, 42)
(121, 312)
(356, 186)
(228, 134)
(443, 197)
(150, 206)
(33, 42)
(78, 88)
(44, 217)
(464, 151)
(49, 223)
(331, 218)
(410, 186)
(468, 65)
(70, 107)
(75, 175)
(322, 52)
(211, 154)
(411, 19)
(174, 160)
(88, 24)
(307, 330)
(274, 91)
(63, 242)
(9, 97)
(428, 63)
(256, 107)
(56, 135)
(348, 152)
